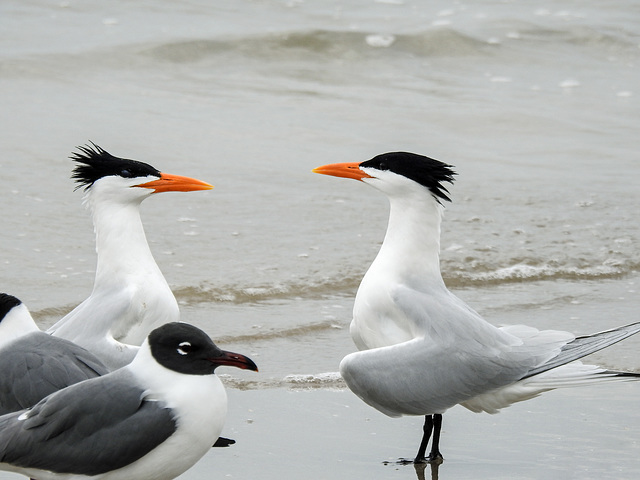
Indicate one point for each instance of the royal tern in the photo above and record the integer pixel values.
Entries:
(33, 363)
(152, 419)
(130, 295)
(422, 349)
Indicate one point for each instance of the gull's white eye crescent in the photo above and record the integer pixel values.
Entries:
(184, 348)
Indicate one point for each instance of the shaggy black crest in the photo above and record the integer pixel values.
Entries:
(95, 162)
(426, 171)
(7, 302)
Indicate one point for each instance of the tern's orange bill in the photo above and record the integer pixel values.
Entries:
(175, 183)
(346, 170)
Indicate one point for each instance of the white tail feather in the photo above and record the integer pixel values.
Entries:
(571, 375)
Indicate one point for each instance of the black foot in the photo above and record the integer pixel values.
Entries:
(436, 458)
(432, 458)
(224, 442)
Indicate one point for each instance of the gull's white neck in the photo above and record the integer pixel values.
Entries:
(17, 323)
(199, 405)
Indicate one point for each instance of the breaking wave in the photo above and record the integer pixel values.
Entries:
(248, 294)
(534, 273)
(436, 41)
(455, 275)
(322, 43)
(346, 286)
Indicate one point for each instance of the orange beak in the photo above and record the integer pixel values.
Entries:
(175, 183)
(346, 170)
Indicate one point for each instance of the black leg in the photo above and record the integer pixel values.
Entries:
(435, 454)
(426, 435)
(432, 423)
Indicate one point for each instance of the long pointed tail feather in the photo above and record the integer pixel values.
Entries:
(586, 345)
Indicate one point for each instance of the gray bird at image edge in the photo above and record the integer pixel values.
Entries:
(35, 364)
(150, 420)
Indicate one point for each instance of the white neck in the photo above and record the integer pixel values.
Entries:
(16, 323)
(411, 247)
(121, 243)
(199, 404)
(130, 295)
(409, 257)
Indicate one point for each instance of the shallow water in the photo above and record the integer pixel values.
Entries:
(536, 107)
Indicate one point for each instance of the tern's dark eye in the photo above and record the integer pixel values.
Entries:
(126, 173)
(383, 166)
(184, 348)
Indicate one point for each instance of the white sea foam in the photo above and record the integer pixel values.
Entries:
(523, 272)
(315, 380)
(380, 40)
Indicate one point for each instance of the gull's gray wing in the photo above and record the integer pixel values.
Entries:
(37, 365)
(87, 429)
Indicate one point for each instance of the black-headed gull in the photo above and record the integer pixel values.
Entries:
(150, 420)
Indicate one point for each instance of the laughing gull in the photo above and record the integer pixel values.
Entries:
(423, 350)
(130, 295)
(150, 420)
(34, 364)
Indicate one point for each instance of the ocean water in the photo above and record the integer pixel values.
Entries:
(536, 105)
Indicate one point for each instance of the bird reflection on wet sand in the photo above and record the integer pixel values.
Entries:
(421, 467)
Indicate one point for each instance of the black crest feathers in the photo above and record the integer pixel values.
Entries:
(94, 163)
(426, 171)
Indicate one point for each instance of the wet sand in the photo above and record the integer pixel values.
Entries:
(318, 434)
(584, 433)
(283, 431)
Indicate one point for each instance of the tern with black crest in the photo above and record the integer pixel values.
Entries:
(422, 349)
(130, 295)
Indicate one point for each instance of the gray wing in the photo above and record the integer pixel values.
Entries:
(456, 356)
(419, 377)
(37, 365)
(87, 429)
(586, 345)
